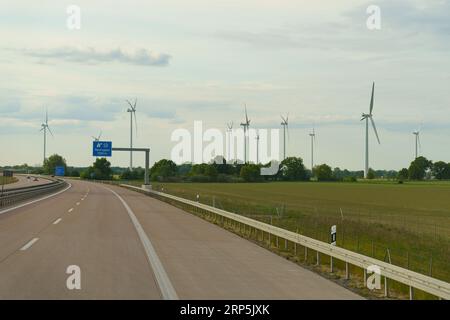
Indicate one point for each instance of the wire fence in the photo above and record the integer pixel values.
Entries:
(415, 246)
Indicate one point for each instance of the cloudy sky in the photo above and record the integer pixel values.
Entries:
(202, 60)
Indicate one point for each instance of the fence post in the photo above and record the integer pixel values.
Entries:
(386, 288)
(365, 276)
(306, 254)
(317, 257)
(411, 293)
(331, 264)
(347, 271)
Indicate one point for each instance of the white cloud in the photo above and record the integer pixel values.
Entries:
(90, 55)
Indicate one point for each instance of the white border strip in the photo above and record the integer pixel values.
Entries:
(37, 200)
(167, 290)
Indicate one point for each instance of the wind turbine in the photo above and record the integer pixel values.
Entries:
(98, 137)
(313, 140)
(132, 111)
(229, 131)
(45, 127)
(285, 125)
(417, 137)
(366, 117)
(245, 125)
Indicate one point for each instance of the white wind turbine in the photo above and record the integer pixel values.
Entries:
(285, 124)
(132, 111)
(313, 140)
(229, 134)
(98, 137)
(417, 138)
(366, 117)
(45, 127)
(246, 126)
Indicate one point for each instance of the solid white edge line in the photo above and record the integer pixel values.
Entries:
(29, 244)
(167, 290)
(57, 221)
(70, 210)
(37, 200)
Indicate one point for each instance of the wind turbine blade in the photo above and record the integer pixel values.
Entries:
(418, 140)
(375, 129)
(50, 130)
(100, 135)
(131, 106)
(371, 100)
(135, 102)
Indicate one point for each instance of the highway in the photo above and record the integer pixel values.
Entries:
(130, 246)
(22, 181)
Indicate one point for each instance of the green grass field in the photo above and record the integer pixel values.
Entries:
(6, 180)
(412, 220)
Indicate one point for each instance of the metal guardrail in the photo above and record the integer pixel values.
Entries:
(11, 196)
(410, 278)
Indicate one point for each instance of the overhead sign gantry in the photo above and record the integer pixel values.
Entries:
(105, 149)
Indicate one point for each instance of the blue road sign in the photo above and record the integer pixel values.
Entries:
(59, 171)
(102, 148)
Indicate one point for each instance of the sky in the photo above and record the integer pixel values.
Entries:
(203, 60)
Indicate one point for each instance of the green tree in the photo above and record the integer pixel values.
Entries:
(250, 173)
(162, 170)
(211, 172)
(371, 174)
(52, 162)
(135, 174)
(418, 168)
(102, 169)
(403, 174)
(293, 169)
(441, 170)
(323, 172)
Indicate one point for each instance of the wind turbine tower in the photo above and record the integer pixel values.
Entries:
(132, 111)
(246, 126)
(229, 134)
(257, 147)
(417, 137)
(285, 124)
(45, 127)
(367, 116)
(313, 139)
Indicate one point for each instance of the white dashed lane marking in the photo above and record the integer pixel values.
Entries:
(29, 244)
(70, 210)
(57, 221)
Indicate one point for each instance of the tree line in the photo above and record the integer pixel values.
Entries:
(290, 169)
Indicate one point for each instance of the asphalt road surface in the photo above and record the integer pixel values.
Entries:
(130, 246)
(22, 181)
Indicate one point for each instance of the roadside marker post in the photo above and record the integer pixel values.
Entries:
(333, 243)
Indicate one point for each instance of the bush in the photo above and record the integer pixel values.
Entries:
(199, 178)
(250, 173)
